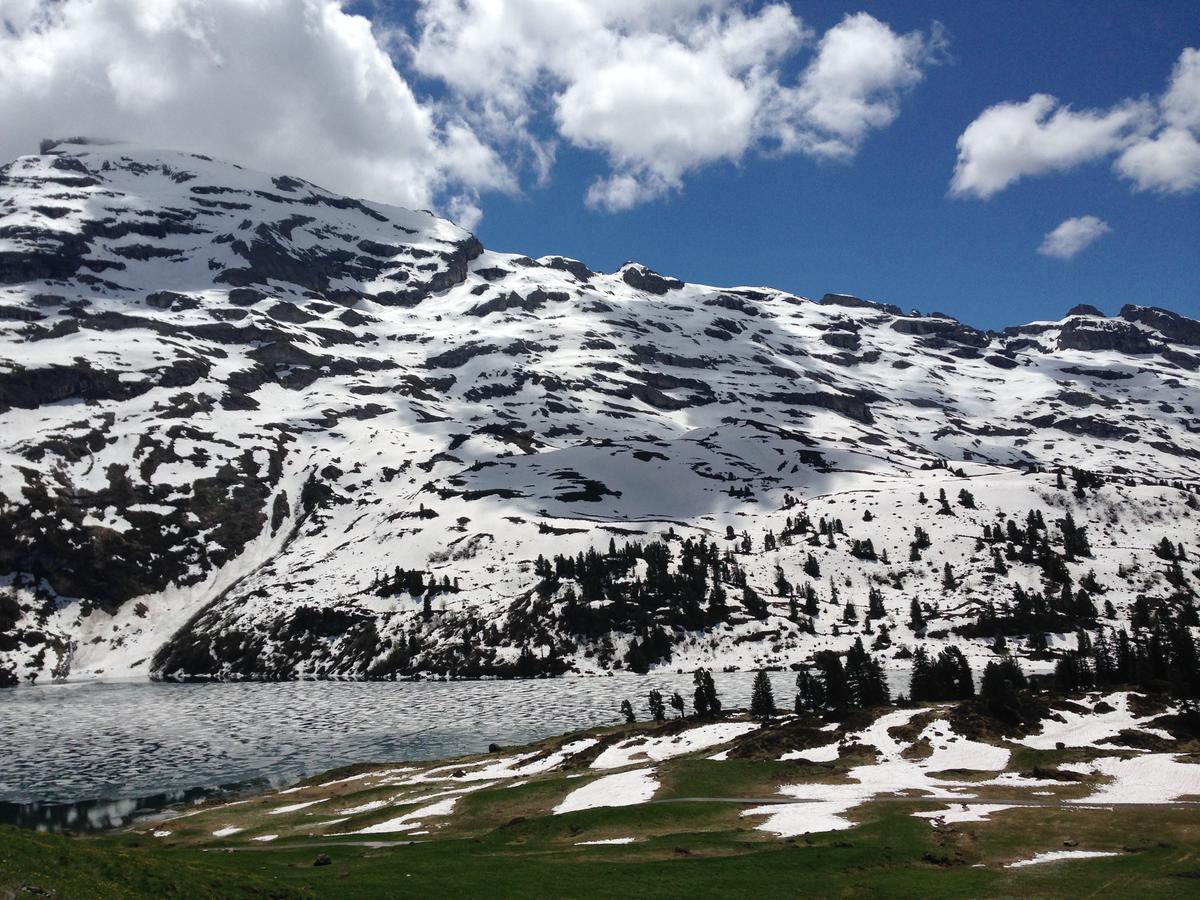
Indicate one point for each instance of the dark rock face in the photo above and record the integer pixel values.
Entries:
(947, 329)
(852, 302)
(1085, 334)
(1169, 324)
(574, 266)
(853, 407)
(535, 300)
(1085, 309)
(644, 279)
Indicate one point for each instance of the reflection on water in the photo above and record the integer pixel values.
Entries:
(78, 755)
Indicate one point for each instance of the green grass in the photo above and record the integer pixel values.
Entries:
(503, 841)
(691, 849)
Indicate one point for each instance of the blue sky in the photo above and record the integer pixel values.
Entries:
(809, 146)
(883, 225)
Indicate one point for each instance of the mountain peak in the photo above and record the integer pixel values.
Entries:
(245, 420)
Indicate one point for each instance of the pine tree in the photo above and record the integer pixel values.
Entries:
(677, 703)
(658, 710)
(754, 605)
(849, 613)
(811, 606)
(949, 582)
(627, 712)
(762, 700)
(1001, 681)
(811, 567)
(865, 680)
(875, 608)
(916, 618)
(705, 699)
(810, 694)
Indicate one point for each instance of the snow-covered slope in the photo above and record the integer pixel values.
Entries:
(230, 402)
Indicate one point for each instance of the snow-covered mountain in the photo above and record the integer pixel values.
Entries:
(245, 422)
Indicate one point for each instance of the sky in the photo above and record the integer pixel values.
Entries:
(997, 161)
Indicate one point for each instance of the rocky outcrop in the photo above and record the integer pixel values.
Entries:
(644, 279)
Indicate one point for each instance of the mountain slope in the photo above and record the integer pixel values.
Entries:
(232, 406)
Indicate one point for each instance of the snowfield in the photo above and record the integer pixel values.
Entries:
(252, 429)
(620, 789)
(638, 750)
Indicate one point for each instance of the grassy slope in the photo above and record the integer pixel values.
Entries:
(502, 842)
(893, 854)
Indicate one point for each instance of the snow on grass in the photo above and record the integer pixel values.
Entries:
(383, 773)
(808, 817)
(1058, 855)
(824, 753)
(226, 831)
(966, 812)
(365, 807)
(295, 807)
(606, 841)
(636, 750)
(1086, 730)
(265, 837)
(523, 764)
(952, 751)
(413, 819)
(1152, 778)
(619, 789)
(821, 807)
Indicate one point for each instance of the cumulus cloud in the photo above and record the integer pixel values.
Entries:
(465, 97)
(1152, 143)
(297, 86)
(662, 89)
(852, 86)
(1010, 141)
(1072, 236)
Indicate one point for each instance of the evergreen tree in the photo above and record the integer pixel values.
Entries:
(811, 606)
(865, 680)
(916, 618)
(704, 699)
(677, 703)
(810, 693)
(875, 608)
(949, 582)
(635, 658)
(658, 709)
(849, 613)
(754, 605)
(762, 700)
(998, 688)
(627, 712)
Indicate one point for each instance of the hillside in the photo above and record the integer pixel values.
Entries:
(253, 429)
(1092, 795)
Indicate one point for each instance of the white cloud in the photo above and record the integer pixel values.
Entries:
(1072, 236)
(1010, 141)
(853, 85)
(295, 86)
(662, 89)
(1169, 161)
(658, 89)
(1153, 143)
(1181, 102)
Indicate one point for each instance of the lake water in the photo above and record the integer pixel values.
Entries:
(86, 756)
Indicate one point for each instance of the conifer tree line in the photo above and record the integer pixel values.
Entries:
(629, 605)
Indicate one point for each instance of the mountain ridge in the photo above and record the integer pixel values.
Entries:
(273, 390)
